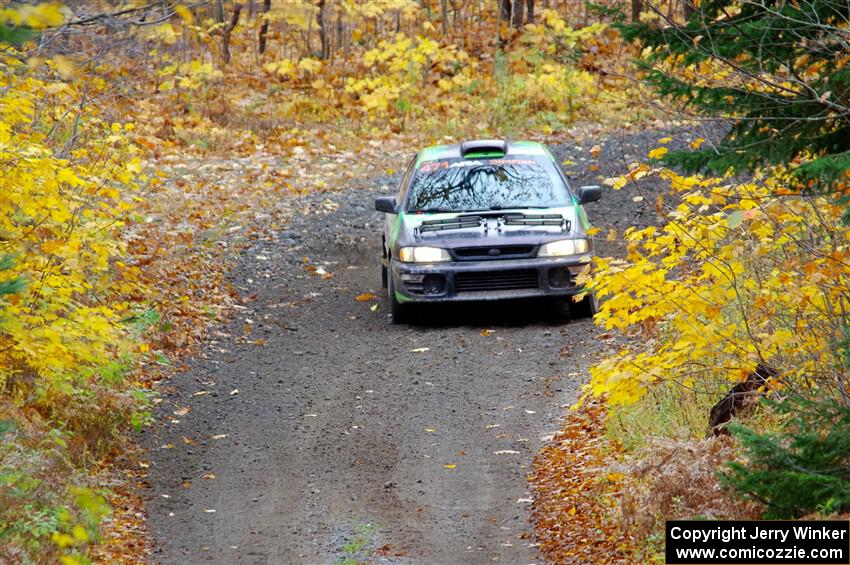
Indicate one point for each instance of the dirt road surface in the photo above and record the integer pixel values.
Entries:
(321, 433)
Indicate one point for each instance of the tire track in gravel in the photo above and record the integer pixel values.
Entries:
(342, 437)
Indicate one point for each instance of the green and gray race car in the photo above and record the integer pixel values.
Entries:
(485, 220)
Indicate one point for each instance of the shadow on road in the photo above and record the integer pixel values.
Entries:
(482, 315)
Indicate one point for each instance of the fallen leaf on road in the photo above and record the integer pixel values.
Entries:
(595, 151)
(234, 391)
(430, 430)
(219, 436)
(209, 510)
(209, 477)
(450, 466)
(486, 333)
(188, 441)
(657, 153)
(365, 297)
(491, 426)
(505, 452)
(182, 411)
(374, 307)
(420, 349)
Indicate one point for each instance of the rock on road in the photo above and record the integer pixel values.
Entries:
(320, 433)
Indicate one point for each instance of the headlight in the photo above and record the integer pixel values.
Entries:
(423, 255)
(563, 248)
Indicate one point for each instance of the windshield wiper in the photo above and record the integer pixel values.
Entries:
(436, 210)
(499, 207)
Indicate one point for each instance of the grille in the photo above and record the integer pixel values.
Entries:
(486, 252)
(496, 280)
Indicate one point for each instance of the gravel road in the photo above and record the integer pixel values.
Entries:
(321, 433)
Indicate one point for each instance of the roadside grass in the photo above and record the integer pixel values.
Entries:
(669, 410)
(359, 546)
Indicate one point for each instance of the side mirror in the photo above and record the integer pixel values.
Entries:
(590, 193)
(386, 204)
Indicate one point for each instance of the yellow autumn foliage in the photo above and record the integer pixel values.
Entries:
(740, 273)
(398, 69)
(68, 179)
(35, 16)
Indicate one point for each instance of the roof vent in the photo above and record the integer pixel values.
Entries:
(483, 146)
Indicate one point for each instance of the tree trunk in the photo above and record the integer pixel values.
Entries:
(529, 11)
(264, 29)
(339, 29)
(739, 398)
(323, 34)
(505, 10)
(225, 35)
(218, 11)
(444, 15)
(519, 9)
(637, 8)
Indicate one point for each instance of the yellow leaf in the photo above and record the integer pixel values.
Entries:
(185, 14)
(64, 66)
(657, 153)
(450, 466)
(79, 532)
(365, 297)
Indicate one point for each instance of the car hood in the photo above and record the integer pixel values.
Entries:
(414, 229)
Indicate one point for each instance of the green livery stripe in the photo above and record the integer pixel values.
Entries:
(396, 228)
(400, 298)
(582, 217)
(484, 154)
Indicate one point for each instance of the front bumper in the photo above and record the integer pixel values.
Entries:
(486, 280)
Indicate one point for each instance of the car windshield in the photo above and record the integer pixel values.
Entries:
(470, 184)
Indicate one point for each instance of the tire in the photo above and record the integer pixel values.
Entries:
(585, 308)
(384, 262)
(400, 312)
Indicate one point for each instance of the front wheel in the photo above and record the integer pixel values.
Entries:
(400, 312)
(584, 308)
(384, 262)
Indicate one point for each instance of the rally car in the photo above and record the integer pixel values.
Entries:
(485, 220)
